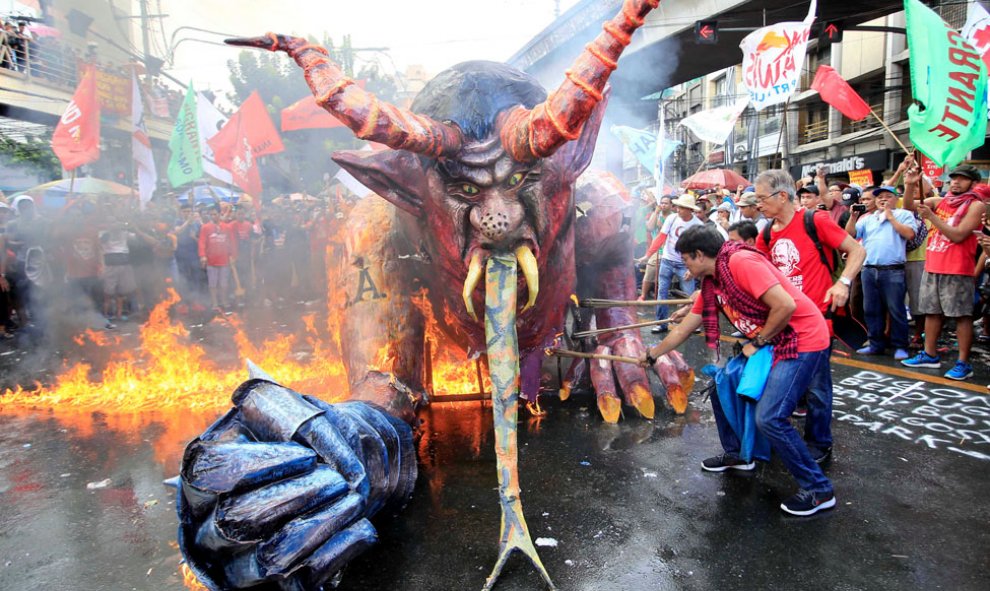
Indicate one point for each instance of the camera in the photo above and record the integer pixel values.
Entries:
(858, 208)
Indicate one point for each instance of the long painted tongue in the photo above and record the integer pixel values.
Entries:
(503, 363)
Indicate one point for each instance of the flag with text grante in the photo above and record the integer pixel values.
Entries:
(186, 163)
(248, 134)
(76, 140)
(949, 80)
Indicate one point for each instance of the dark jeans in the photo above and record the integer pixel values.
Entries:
(788, 381)
(665, 277)
(883, 293)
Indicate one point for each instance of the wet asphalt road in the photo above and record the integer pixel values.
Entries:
(626, 505)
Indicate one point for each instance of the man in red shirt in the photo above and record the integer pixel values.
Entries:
(244, 230)
(793, 252)
(768, 309)
(947, 285)
(217, 250)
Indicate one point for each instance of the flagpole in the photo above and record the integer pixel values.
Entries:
(892, 134)
(783, 129)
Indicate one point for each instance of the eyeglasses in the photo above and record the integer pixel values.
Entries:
(762, 198)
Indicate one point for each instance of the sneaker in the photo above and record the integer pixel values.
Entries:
(901, 354)
(821, 455)
(109, 325)
(870, 350)
(737, 335)
(658, 329)
(724, 462)
(800, 411)
(960, 371)
(808, 503)
(923, 359)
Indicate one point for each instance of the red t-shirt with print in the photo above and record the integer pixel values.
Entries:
(792, 251)
(217, 242)
(755, 275)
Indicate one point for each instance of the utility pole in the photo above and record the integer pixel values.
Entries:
(144, 36)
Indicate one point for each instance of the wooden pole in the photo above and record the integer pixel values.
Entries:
(892, 134)
(599, 303)
(576, 355)
(600, 331)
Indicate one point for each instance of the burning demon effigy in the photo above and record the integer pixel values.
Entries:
(482, 178)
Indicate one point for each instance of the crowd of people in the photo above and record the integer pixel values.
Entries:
(786, 262)
(106, 260)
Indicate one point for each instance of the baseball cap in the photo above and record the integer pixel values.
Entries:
(747, 199)
(967, 170)
(877, 190)
(851, 195)
(809, 189)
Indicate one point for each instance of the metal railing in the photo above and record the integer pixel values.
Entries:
(868, 123)
(44, 62)
(814, 132)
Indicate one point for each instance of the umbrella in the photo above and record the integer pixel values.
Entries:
(707, 179)
(55, 194)
(207, 194)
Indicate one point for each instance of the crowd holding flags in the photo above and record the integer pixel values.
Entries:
(948, 79)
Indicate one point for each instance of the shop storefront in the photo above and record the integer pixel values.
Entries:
(861, 169)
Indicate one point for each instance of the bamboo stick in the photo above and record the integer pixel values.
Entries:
(577, 355)
(892, 134)
(592, 333)
(599, 303)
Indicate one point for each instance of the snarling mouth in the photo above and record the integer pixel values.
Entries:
(527, 263)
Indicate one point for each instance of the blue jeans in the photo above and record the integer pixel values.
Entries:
(788, 381)
(665, 276)
(883, 293)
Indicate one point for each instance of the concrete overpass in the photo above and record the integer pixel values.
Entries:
(663, 52)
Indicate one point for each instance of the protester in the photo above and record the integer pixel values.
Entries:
(217, 250)
(809, 197)
(744, 231)
(756, 297)
(191, 275)
(118, 274)
(791, 249)
(749, 210)
(671, 263)
(654, 223)
(884, 232)
(948, 285)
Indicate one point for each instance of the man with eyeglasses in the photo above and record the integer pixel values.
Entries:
(794, 253)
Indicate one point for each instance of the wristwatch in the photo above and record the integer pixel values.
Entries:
(845, 281)
(759, 341)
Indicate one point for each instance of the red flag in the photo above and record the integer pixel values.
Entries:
(835, 91)
(306, 114)
(76, 140)
(249, 133)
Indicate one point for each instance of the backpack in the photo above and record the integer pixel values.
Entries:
(809, 228)
(920, 233)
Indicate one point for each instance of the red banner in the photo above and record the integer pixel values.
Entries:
(76, 140)
(249, 133)
(835, 91)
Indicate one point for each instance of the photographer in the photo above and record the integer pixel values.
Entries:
(884, 232)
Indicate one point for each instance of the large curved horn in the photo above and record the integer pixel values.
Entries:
(367, 116)
(531, 134)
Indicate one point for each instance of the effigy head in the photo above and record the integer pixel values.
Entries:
(481, 200)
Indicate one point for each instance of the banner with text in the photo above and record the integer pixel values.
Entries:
(772, 60)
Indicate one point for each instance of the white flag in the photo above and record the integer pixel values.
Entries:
(144, 158)
(772, 60)
(715, 125)
(977, 32)
(209, 120)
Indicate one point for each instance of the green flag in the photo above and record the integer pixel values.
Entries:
(949, 79)
(186, 163)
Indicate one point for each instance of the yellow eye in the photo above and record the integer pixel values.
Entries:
(469, 189)
(516, 179)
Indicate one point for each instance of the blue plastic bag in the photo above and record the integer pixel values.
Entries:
(755, 374)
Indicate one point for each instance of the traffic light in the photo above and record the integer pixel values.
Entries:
(831, 33)
(706, 32)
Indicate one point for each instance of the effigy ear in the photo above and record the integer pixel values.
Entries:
(576, 155)
(397, 175)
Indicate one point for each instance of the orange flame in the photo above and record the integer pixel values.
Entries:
(189, 579)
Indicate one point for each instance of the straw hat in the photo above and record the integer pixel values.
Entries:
(685, 201)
